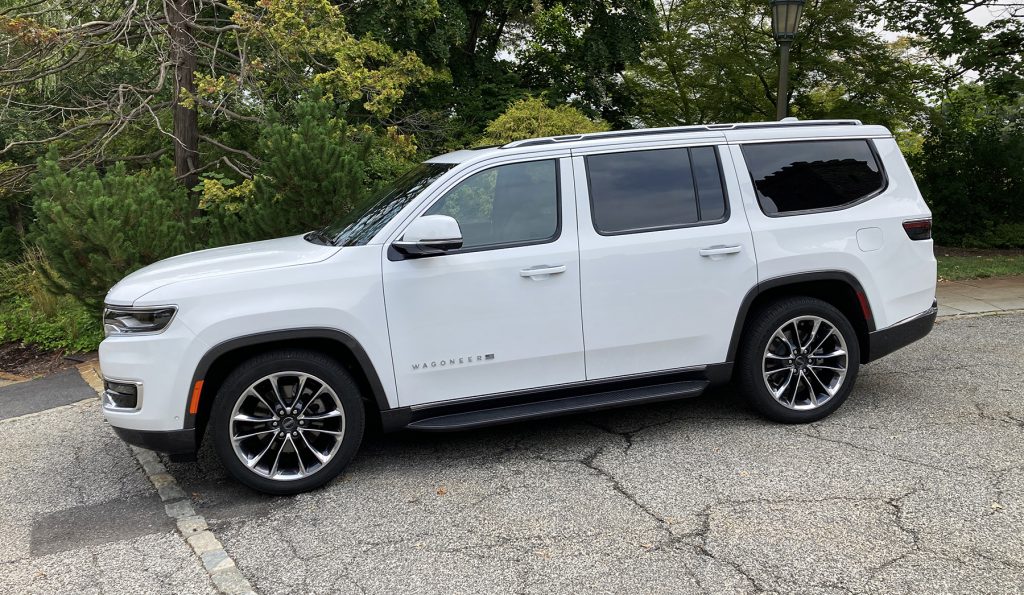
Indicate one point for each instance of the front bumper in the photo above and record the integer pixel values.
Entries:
(885, 341)
(172, 442)
(160, 366)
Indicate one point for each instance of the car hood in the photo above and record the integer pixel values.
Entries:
(242, 258)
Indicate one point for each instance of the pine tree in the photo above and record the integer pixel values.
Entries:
(94, 229)
(313, 173)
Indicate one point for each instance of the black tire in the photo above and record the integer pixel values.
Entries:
(319, 368)
(754, 359)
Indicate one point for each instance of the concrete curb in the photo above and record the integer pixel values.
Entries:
(193, 527)
(946, 317)
(220, 567)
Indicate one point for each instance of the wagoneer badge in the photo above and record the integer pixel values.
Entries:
(454, 361)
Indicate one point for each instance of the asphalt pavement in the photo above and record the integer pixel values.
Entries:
(916, 485)
(63, 388)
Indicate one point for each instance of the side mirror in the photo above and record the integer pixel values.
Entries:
(430, 235)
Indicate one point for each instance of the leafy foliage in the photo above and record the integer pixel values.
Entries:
(531, 117)
(70, 325)
(962, 43)
(30, 314)
(969, 169)
(717, 62)
(309, 37)
(578, 50)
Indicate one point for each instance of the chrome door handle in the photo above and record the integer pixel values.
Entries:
(542, 270)
(716, 250)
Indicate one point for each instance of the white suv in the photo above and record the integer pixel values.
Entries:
(538, 278)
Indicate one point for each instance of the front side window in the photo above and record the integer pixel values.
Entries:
(511, 204)
(801, 176)
(656, 189)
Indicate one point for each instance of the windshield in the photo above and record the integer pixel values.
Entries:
(365, 220)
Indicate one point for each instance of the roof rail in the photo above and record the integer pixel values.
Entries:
(788, 122)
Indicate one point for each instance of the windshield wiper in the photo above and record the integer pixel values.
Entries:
(320, 237)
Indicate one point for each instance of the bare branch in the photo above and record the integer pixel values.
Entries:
(223, 147)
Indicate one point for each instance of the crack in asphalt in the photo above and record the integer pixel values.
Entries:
(590, 463)
(701, 535)
(899, 515)
(607, 459)
(697, 540)
(815, 434)
(671, 537)
(1006, 417)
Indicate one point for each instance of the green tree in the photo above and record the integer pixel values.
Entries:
(578, 50)
(969, 169)
(717, 62)
(315, 168)
(948, 30)
(95, 228)
(497, 51)
(531, 117)
(195, 78)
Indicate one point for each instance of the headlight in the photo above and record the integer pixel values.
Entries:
(130, 321)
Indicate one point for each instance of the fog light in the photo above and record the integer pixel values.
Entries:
(120, 395)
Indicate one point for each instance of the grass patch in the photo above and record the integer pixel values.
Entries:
(978, 266)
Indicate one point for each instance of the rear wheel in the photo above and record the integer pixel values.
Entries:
(287, 421)
(799, 360)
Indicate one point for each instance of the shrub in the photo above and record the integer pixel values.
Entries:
(94, 229)
(1006, 235)
(531, 117)
(70, 326)
(30, 314)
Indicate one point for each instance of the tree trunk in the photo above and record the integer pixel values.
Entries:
(15, 219)
(186, 121)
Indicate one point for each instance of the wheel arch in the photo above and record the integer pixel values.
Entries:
(217, 363)
(838, 288)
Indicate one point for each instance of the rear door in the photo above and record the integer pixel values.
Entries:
(666, 256)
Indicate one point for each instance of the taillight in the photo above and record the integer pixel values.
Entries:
(920, 229)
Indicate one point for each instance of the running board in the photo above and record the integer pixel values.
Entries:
(560, 406)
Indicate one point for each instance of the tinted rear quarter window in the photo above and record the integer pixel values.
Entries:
(655, 189)
(801, 176)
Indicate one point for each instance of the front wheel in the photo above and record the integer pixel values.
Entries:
(287, 421)
(799, 360)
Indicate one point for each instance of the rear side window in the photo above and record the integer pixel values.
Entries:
(656, 189)
(813, 175)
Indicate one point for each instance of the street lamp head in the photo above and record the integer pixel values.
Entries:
(786, 18)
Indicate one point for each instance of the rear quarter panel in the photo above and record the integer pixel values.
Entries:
(897, 273)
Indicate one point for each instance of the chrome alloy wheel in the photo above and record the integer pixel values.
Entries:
(805, 363)
(287, 425)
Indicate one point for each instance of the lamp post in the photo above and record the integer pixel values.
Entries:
(785, 20)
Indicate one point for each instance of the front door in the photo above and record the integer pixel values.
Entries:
(666, 257)
(503, 312)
